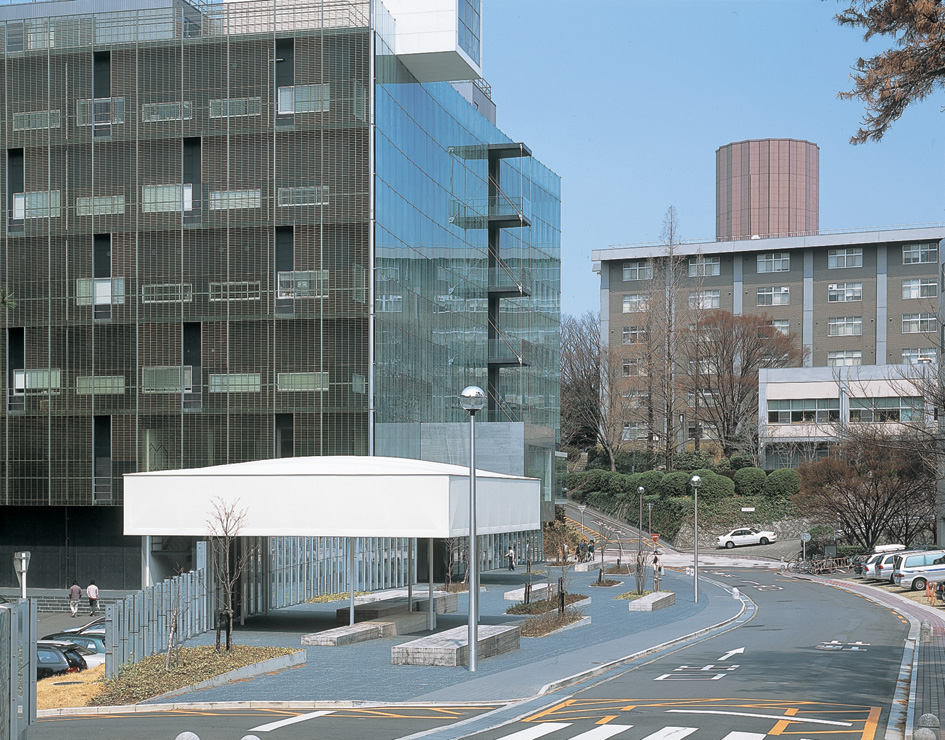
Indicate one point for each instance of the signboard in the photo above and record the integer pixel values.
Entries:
(656, 537)
(748, 508)
(805, 536)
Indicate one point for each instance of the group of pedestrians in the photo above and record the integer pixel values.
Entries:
(75, 595)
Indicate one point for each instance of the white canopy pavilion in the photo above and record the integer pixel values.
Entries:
(344, 496)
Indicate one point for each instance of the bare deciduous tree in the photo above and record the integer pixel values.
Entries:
(891, 80)
(229, 559)
(580, 380)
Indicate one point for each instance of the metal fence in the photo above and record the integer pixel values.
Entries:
(17, 669)
(140, 625)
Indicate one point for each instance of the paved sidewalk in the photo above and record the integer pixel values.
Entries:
(363, 671)
(929, 681)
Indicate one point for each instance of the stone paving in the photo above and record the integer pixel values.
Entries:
(363, 671)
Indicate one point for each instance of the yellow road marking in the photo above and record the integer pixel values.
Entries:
(782, 724)
(605, 720)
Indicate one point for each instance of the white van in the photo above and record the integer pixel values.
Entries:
(914, 570)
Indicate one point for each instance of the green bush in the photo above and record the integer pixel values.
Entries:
(740, 460)
(849, 551)
(675, 484)
(692, 460)
(782, 484)
(652, 481)
(714, 487)
(749, 481)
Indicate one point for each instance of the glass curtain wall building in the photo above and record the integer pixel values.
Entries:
(243, 230)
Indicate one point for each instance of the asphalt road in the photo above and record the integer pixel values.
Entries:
(813, 662)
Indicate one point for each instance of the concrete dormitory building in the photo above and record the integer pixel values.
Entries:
(864, 304)
(245, 230)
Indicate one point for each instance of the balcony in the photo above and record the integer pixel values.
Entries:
(506, 281)
(508, 351)
(501, 212)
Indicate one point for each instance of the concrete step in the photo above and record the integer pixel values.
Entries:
(451, 648)
(652, 602)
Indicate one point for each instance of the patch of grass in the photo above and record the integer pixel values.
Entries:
(54, 693)
(545, 623)
(607, 583)
(632, 595)
(327, 598)
(618, 570)
(457, 587)
(544, 605)
(189, 665)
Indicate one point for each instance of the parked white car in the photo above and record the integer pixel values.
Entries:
(746, 536)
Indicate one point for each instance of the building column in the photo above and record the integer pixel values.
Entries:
(807, 331)
(882, 304)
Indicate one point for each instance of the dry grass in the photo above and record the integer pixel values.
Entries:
(544, 605)
(631, 595)
(54, 693)
(327, 598)
(546, 623)
(606, 583)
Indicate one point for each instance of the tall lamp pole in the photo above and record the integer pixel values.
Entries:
(640, 491)
(695, 482)
(472, 399)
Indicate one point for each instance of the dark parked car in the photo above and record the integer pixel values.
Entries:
(91, 642)
(54, 659)
(95, 627)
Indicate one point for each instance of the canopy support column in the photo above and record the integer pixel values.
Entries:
(430, 580)
(351, 580)
(410, 545)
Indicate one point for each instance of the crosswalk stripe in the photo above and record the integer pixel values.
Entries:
(745, 736)
(602, 733)
(671, 733)
(539, 730)
(289, 721)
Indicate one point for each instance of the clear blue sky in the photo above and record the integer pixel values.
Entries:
(628, 100)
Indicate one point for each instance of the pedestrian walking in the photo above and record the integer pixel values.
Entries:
(511, 556)
(590, 548)
(567, 552)
(75, 593)
(92, 592)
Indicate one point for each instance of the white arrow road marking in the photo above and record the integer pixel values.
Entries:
(763, 716)
(290, 721)
(730, 653)
(671, 733)
(530, 733)
(602, 733)
(745, 736)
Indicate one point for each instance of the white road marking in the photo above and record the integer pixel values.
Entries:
(730, 653)
(671, 733)
(602, 733)
(540, 730)
(290, 721)
(745, 736)
(763, 716)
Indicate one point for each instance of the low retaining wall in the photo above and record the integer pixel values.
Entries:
(652, 602)
(451, 648)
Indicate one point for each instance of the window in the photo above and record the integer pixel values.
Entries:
(167, 293)
(311, 195)
(774, 262)
(234, 383)
(634, 432)
(782, 325)
(637, 399)
(704, 299)
(302, 284)
(705, 398)
(153, 112)
(167, 198)
(633, 368)
(780, 296)
(100, 385)
(100, 291)
(391, 272)
(634, 303)
(99, 111)
(844, 292)
(637, 270)
(36, 120)
(845, 326)
(845, 358)
(166, 378)
(303, 99)
(302, 381)
(100, 205)
(920, 288)
(43, 381)
(235, 107)
(240, 290)
(43, 204)
(634, 334)
(702, 266)
(918, 323)
(917, 254)
(911, 355)
(389, 303)
(882, 410)
(804, 411)
(225, 200)
(845, 257)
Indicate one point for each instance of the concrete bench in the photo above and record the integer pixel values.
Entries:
(451, 648)
(443, 603)
(652, 602)
(540, 592)
(397, 624)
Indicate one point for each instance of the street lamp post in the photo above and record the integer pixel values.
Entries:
(649, 507)
(695, 482)
(640, 491)
(472, 399)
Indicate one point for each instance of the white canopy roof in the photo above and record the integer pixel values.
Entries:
(331, 497)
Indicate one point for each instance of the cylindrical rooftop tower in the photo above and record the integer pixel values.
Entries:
(767, 187)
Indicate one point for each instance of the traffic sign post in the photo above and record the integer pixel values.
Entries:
(21, 562)
(805, 538)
